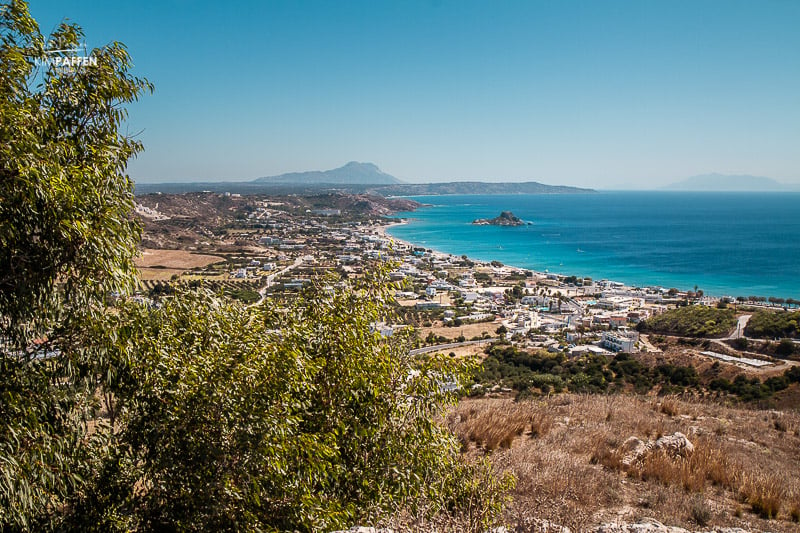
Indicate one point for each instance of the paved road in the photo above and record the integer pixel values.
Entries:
(739, 330)
(271, 278)
(442, 347)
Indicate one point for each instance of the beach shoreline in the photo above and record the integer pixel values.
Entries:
(625, 238)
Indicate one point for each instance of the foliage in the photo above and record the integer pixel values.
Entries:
(785, 347)
(66, 237)
(692, 320)
(196, 413)
(771, 324)
(523, 371)
(66, 242)
(286, 418)
(244, 294)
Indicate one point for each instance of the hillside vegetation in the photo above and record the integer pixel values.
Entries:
(534, 373)
(692, 321)
(770, 325)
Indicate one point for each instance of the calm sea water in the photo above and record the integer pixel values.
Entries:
(734, 244)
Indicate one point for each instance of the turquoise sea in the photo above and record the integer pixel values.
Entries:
(728, 244)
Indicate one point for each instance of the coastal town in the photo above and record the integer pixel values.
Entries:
(266, 247)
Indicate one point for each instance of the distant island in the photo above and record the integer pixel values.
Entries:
(728, 183)
(506, 218)
(355, 178)
(476, 187)
(353, 173)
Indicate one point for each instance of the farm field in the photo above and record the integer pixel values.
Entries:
(161, 265)
(175, 259)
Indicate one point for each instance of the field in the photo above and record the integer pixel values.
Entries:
(468, 330)
(566, 452)
(163, 264)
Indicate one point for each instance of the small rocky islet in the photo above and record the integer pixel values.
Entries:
(506, 218)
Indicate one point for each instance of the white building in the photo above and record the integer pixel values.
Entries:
(622, 340)
(615, 303)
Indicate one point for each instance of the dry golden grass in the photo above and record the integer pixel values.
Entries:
(158, 274)
(764, 493)
(490, 429)
(669, 406)
(468, 330)
(175, 259)
(564, 451)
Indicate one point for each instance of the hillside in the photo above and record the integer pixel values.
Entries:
(581, 460)
(199, 220)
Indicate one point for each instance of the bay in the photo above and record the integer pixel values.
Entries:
(728, 244)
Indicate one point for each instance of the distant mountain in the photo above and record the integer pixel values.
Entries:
(353, 173)
(475, 187)
(354, 178)
(727, 182)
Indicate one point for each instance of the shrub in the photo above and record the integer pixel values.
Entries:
(741, 343)
(785, 347)
(692, 320)
(276, 418)
(700, 511)
(771, 324)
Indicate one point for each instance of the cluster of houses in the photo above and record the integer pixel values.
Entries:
(539, 309)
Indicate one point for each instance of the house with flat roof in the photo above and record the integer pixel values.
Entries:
(621, 340)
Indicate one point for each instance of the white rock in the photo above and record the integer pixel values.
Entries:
(675, 444)
(633, 449)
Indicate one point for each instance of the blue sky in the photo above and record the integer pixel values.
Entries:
(604, 94)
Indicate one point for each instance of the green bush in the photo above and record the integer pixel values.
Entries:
(693, 321)
(772, 324)
(785, 347)
(293, 418)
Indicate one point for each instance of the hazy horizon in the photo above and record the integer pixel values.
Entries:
(609, 95)
(634, 187)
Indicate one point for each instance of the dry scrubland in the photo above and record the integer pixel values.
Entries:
(565, 452)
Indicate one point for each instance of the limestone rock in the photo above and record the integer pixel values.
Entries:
(675, 444)
(633, 450)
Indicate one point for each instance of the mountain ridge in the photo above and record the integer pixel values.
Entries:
(352, 173)
(355, 177)
(727, 183)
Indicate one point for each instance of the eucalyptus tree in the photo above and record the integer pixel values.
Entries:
(282, 416)
(67, 241)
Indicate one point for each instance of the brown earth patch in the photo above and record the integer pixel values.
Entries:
(175, 259)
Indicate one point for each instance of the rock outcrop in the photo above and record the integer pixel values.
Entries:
(648, 525)
(634, 450)
(676, 444)
(506, 218)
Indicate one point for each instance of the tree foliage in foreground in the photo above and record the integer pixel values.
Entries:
(268, 418)
(66, 235)
(200, 414)
(66, 241)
